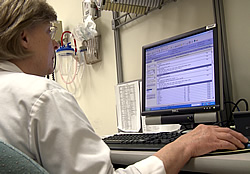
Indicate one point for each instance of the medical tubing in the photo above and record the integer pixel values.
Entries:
(69, 82)
(73, 39)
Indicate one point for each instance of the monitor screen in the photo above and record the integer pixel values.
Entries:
(181, 74)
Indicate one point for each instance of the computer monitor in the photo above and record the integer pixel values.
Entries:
(181, 79)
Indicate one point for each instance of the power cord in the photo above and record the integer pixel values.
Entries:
(237, 103)
(230, 121)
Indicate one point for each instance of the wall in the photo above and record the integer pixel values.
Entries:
(238, 34)
(96, 89)
(174, 18)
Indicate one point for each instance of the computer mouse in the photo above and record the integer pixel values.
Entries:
(247, 145)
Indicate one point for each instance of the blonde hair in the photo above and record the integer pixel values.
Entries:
(15, 16)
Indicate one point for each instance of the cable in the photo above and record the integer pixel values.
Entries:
(53, 76)
(54, 67)
(230, 102)
(75, 73)
(55, 61)
(230, 120)
(236, 104)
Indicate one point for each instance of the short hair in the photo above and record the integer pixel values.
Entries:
(15, 17)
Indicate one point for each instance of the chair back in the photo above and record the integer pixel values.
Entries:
(14, 161)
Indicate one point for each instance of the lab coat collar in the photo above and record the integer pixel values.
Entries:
(8, 66)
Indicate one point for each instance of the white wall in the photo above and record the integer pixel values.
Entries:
(174, 18)
(237, 16)
(96, 90)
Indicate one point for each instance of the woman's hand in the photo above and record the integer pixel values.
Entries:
(203, 139)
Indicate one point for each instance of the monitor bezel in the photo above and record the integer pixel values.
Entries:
(191, 110)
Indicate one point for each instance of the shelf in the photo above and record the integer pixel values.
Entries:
(131, 10)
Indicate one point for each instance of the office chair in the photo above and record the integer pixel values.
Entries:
(14, 161)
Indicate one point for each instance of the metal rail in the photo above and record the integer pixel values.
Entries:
(126, 18)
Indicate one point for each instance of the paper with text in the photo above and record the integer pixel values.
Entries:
(128, 106)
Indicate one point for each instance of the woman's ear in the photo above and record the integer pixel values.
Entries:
(24, 39)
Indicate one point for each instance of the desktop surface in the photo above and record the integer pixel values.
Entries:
(230, 163)
(222, 161)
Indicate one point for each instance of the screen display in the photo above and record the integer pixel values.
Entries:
(180, 73)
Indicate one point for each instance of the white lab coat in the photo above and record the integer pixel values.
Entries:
(44, 121)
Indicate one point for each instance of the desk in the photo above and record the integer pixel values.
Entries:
(235, 163)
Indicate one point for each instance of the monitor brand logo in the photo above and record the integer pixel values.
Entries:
(175, 111)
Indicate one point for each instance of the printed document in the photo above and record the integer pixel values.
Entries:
(128, 106)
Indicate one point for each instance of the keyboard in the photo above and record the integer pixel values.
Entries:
(141, 141)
